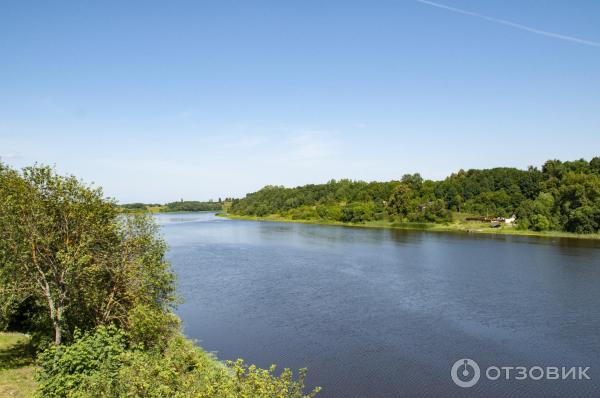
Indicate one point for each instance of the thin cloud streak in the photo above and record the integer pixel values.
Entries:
(512, 24)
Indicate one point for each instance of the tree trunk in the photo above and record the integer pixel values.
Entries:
(56, 316)
(58, 324)
(57, 333)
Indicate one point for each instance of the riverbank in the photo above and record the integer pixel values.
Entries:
(455, 226)
(16, 366)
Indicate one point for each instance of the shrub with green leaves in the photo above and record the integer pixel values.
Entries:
(150, 327)
(63, 368)
(103, 365)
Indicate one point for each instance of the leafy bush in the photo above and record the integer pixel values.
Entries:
(99, 365)
(191, 205)
(358, 212)
(330, 212)
(150, 327)
(303, 213)
(64, 368)
(540, 223)
(583, 220)
(134, 206)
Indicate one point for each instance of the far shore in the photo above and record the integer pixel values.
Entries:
(460, 227)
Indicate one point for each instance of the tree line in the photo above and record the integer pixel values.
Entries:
(562, 196)
(178, 206)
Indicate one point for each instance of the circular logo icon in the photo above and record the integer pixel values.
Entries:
(465, 373)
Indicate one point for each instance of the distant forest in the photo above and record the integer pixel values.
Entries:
(183, 205)
(561, 196)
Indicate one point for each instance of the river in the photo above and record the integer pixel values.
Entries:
(386, 313)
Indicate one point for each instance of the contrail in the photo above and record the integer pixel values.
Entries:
(512, 24)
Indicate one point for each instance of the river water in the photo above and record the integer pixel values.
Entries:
(386, 313)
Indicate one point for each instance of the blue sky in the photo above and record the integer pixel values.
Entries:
(157, 101)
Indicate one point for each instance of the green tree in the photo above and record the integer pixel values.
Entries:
(330, 212)
(579, 202)
(563, 194)
(67, 246)
(540, 222)
(401, 201)
(435, 211)
(358, 212)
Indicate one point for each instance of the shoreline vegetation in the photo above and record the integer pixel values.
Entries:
(88, 298)
(560, 199)
(173, 207)
(450, 227)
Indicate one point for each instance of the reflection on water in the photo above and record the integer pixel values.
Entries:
(385, 313)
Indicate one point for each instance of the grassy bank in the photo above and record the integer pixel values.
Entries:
(16, 366)
(459, 226)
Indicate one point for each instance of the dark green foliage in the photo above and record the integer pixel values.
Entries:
(540, 222)
(403, 201)
(151, 328)
(191, 205)
(493, 191)
(358, 212)
(135, 206)
(330, 212)
(63, 369)
(579, 202)
(303, 213)
(181, 206)
(435, 211)
(561, 196)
